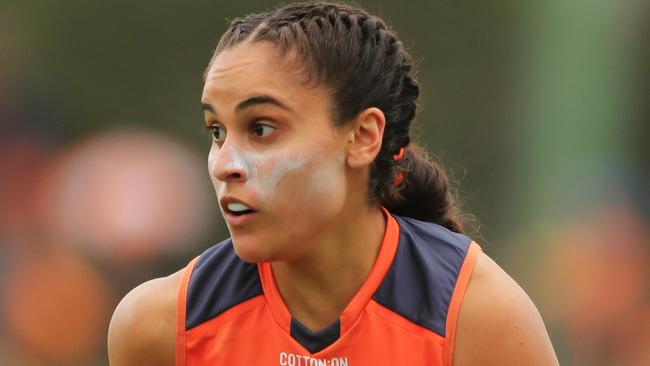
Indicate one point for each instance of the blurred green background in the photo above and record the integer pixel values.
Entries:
(540, 111)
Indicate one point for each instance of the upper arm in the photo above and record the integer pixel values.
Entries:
(142, 330)
(498, 324)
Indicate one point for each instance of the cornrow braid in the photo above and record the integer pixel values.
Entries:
(364, 64)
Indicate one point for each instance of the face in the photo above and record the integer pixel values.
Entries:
(277, 161)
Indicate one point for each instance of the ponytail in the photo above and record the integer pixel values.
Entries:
(424, 193)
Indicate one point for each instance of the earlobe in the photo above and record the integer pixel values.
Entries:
(365, 137)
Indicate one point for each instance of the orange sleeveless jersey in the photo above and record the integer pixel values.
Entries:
(230, 312)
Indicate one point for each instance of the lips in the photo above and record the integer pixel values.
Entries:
(235, 211)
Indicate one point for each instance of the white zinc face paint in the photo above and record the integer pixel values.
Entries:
(264, 171)
(233, 163)
(323, 179)
(239, 162)
(267, 170)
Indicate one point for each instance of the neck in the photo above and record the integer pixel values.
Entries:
(318, 287)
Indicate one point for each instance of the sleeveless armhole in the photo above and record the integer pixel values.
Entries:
(457, 299)
(181, 307)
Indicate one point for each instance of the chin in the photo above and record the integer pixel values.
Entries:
(253, 250)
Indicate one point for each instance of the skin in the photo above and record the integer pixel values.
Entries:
(307, 181)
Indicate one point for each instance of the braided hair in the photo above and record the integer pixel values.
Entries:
(364, 64)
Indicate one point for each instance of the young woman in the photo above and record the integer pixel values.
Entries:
(345, 245)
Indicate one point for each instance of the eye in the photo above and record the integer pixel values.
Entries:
(262, 129)
(218, 133)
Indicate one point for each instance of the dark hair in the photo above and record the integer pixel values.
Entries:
(363, 64)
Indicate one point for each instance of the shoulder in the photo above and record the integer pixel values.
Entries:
(420, 282)
(498, 324)
(219, 281)
(142, 329)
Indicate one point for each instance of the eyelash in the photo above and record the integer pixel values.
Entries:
(213, 128)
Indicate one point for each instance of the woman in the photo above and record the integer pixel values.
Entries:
(345, 244)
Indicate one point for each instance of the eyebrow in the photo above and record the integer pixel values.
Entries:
(207, 107)
(252, 101)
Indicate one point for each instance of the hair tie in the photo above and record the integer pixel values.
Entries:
(399, 177)
(400, 154)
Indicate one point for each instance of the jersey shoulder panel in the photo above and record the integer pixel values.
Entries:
(219, 281)
(421, 281)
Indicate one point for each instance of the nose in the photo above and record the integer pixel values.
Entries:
(228, 164)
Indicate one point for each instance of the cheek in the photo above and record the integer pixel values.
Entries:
(323, 183)
(270, 175)
(315, 189)
(212, 156)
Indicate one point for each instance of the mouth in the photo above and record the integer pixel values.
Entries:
(236, 212)
(238, 209)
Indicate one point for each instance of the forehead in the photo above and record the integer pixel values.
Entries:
(256, 68)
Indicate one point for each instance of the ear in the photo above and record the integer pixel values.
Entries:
(364, 141)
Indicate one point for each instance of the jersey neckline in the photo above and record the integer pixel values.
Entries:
(348, 317)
